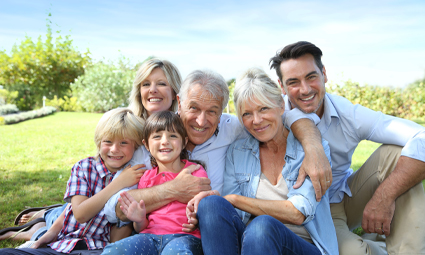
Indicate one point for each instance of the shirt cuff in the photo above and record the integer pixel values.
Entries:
(303, 205)
(295, 114)
(111, 205)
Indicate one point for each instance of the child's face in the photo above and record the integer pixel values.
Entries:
(165, 146)
(116, 152)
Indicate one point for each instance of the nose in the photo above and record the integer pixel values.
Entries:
(305, 88)
(164, 139)
(114, 147)
(153, 89)
(257, 118)
(201, 120)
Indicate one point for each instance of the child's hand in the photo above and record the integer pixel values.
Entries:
(130, 175)
(48, 237)
(133, 211)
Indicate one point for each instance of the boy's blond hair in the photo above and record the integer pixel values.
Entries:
(119, 123)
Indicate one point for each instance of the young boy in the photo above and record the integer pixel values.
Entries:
(83, 224)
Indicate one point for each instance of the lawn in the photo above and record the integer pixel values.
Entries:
(36, 157)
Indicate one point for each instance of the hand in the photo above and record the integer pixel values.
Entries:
(133, 210)
(48, 237)
(185, 186)
(130, 175)
(378, 214)
(316, 165)
(192, 209)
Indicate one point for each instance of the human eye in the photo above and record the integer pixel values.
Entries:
(312, 77)
(245, 114)
(145, 84)
(265, 108)
(162, 83)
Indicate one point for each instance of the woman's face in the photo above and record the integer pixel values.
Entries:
(157, 95)
(261, 121)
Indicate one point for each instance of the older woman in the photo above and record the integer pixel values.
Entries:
(261, 213)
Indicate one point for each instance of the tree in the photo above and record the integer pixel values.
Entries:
(41, 68)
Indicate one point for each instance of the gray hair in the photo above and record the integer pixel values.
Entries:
(212, 82)
(256, 84)
(173, 78)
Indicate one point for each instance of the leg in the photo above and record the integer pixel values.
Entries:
(220, 225)
(266, 235)
(29, 251)
(145, 244)
(181, 244)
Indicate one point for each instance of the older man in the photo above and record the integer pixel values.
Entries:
(387, 190)
(202, 98)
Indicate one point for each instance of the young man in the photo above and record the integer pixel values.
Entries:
(385, 195)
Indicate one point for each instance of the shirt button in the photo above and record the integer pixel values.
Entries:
(163, 175)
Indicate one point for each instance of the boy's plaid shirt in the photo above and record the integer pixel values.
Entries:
(88, 177)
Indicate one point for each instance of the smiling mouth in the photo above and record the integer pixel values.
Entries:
(261, 129)
(116, 158)
(165, 150)
(308, 98)
(199, 129)
(153, 100)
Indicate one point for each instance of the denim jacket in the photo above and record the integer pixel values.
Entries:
(242, 177)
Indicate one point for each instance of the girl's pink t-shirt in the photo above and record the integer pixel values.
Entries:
(169, 218)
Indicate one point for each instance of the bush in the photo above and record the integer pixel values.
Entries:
(104, 86)
(15, 118)
(66, 104)
(8, 97)
(8, 109)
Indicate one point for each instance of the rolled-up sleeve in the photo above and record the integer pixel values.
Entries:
(295, 114)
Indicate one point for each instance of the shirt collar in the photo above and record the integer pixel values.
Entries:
(101, 168)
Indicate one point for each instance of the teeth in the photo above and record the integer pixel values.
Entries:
(155, 99)
(165, 150)
(115, 157)
(306, 99)
(199, 129)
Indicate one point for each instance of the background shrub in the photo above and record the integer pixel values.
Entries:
(8, 108)
(67, 104)
(15, 118)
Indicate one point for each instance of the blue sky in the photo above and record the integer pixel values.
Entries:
(374, 42)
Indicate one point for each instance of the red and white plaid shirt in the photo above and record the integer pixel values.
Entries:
(88, 177)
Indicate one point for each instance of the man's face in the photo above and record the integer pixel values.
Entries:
(200, 113)
(304, 84)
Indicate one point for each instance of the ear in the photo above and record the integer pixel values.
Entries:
(145, 144)
(282, 87)
(324, 74)
(179, 104)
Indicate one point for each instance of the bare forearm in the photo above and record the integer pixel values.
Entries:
(407, 173)
(153, 197)
(306, 132)
(282, 210)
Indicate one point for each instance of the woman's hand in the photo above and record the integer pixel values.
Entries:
(192, 208)
(130, 175)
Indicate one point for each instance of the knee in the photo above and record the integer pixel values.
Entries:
(352, 246)
(211, 206)
(263, 227)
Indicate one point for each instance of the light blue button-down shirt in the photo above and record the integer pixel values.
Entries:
(212, 152)
(344, 125)
(242, 176)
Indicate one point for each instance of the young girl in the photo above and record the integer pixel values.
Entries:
(161, 231)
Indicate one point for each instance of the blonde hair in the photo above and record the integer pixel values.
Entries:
(173, 78)
(256, 84)
(119, 123)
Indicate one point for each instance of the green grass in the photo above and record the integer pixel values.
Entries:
(36, 157)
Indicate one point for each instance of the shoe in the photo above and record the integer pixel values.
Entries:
(32, 209)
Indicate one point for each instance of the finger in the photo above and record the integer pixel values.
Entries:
(386, 228)
(300, 179)
(188, 227)
(192, 168)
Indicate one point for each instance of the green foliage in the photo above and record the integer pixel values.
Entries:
(7, 97)
(67, 104)
(406, 103)
(15, 118)
(8, 109)
(104, 86)
(41, 68)
(231, 103)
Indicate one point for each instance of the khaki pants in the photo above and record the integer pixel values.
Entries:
(408, 225)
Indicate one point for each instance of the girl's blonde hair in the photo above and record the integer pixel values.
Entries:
(173, 78)
(119, 123)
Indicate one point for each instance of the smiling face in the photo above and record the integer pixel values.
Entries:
(116, 152)
(261, 121)
(165, 146)
(304, 83)
(200, 113)
(157, 94)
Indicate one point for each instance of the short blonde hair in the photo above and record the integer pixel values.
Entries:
(256, 84)
(171, 73)
(119, 123)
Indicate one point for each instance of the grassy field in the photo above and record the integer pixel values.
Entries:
(36, 157)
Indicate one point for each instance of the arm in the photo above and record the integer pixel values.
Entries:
(183, 188)
(85, 208)
(52, 234)
(315, 164)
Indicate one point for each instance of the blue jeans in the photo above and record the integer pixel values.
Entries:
(150, 244)
(223, 232)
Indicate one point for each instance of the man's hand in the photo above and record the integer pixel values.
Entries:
(315, 165)
(378, 214)
(192, 208)
(186, 186)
